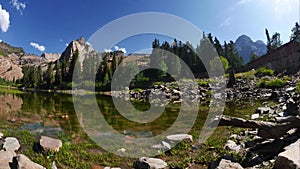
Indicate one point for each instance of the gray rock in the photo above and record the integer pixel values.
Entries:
(50, 144)
(1, 135)
(24, 162)
(179, 137)
(227, 164)
(11, 144)
(290, 158)
(6, 157)
(152, 163)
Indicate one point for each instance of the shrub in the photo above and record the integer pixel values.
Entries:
(264, 72)
(273, 83)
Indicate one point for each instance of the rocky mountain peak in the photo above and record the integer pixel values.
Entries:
(245, 47)
(81, 40)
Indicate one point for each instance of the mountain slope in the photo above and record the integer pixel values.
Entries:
(245, 46)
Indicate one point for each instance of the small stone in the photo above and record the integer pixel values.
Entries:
(146, 163)
(179, 137)
(54, 165)
(254, 116)
(51, 144)
(263, 110)
(25, 163)
(6, 157)
(11, 144)
(162, 146)
(231, 145)
(227, 164)
(1, 135)
(121, 150)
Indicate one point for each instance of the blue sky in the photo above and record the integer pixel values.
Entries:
(48, 25)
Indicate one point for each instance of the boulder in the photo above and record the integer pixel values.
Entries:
(24, 162)
(179, 137)
(290, 158)
(254, 116)
(50, 144)
(162, 146)
(6, 158)
(1, 135)
(152, 163)
(11, 144)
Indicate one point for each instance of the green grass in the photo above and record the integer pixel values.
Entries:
(6, 90)
(246, 75)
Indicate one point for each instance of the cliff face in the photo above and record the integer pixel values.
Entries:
(85, 50)
(283, 59)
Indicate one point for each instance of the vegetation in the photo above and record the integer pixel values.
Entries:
(274, 42)
(264, 72)
(271, 83)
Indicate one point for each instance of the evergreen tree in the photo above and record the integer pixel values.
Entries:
(296, 33)
(268, 40)
(218, 47)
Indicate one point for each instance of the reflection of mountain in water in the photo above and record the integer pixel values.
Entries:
(9, 103)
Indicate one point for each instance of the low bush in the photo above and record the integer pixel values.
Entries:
(271, 83)
(264, 72)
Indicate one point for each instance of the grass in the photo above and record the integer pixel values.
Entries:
(6, 90)
(246, 75)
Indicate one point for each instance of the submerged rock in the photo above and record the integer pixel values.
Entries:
(50, 144)
(11, 144)
(179, 137)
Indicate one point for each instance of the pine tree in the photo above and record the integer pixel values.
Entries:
(269, 47)
(296, 33)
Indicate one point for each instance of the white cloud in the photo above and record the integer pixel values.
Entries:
(116, 48)
(1, 40)
(241, 2)
(4, 19)
(122, 50)
(67, 44)
(226, 22)
(20, 6)
(38, 47)
(107, 50)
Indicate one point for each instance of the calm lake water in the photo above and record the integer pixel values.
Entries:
(49, 114)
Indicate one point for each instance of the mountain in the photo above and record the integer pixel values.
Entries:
(12, 59)
(245, 46)
(84, 48)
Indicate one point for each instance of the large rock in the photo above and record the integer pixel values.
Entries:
(179, 137)
(1, 135)
(24, 162)
(11, 144)
(290, 158)
(6, 158)
(152, 163)
(50, 144)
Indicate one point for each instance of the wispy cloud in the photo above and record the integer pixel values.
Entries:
(20, 6)
(123, 50)
(38, 47)
(4, 19)
(226, 22)
(242, 2)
